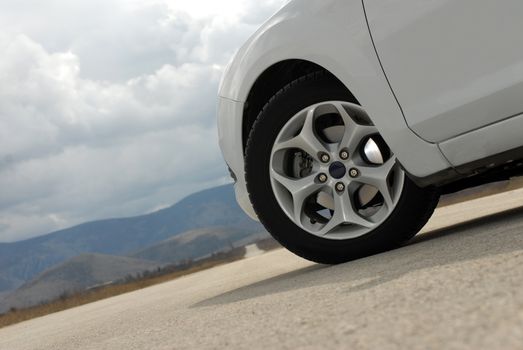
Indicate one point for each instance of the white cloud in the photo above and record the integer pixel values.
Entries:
(107, 107)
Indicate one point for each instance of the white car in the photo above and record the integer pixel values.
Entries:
(342, 121)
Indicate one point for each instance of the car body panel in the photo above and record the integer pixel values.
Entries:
(230, 138)
(334, 35)
(482, 143)
(455, 66)
(463, 122)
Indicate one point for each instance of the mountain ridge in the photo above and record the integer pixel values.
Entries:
(76, 274)
(23, 260)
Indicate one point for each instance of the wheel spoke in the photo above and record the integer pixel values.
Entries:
(349, 215)
(354, 132)
(344, 213)
(377, 176)
(306, 140)
(300, 189)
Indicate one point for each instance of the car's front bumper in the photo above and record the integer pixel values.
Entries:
(230, 133)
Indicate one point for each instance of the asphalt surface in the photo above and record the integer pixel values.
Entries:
(458, 285)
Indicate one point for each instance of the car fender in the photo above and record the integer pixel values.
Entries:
(332, 34)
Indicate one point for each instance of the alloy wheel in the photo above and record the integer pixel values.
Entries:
(332, 173)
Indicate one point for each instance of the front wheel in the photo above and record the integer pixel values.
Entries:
(323, 181)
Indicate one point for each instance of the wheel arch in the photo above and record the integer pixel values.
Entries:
(272, 80)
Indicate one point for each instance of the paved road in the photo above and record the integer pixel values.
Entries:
(456, 286)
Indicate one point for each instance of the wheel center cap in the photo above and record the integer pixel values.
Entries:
(337, 170)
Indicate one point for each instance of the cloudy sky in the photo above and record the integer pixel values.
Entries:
(107, 107)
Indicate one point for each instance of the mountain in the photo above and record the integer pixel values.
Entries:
(198, 243)
(21, 261)
(76, 274)
(88, 270)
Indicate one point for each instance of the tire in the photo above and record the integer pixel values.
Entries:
(413, 205)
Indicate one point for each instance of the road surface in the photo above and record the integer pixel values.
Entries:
(458, 285)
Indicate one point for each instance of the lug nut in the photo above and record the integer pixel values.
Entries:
(354, 172)
(322, 178)
(344, 155)
(340, 187)
(325, 158)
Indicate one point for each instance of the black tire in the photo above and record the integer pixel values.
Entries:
(412, 211)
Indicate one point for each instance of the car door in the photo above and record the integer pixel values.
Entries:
(453, 65)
